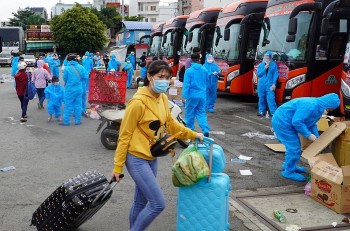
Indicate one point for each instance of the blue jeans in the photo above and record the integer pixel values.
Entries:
(148, 198)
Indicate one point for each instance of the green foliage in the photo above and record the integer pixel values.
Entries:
(26, 17)
(133, 18)
(79, 30)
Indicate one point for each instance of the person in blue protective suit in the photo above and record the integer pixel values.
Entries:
(132, 58)
(14, 65)
(73, 75)
(88, 65)
(54, 93)
(194, 94)
(54, 66)
(130, 71)
(267, 73)
(213, 71)
(300, 116)
(113, 64)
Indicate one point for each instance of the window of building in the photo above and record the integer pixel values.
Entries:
(153, 8)
(140, 4)
(153, 19)
(146, 19)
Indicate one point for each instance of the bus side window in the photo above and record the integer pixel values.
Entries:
(337, 45)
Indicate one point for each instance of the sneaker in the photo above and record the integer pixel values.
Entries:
(59, 119)
(25, 116)
(23, 120)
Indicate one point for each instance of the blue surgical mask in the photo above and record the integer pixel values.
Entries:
(160, 85)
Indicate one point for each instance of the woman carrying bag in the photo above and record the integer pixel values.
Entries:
(147, 119)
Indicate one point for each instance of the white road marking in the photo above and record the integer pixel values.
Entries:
(252, 121)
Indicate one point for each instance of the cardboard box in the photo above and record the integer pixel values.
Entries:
(330, 184)
(137, 73)
(341, 147)
(322, 126)
(175, 91)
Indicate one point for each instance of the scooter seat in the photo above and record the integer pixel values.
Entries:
(112, 114)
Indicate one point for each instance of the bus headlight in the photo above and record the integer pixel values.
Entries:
(345, 89)
(232, 75)
(295, 81)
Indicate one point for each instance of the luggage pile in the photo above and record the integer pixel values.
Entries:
(205, 205)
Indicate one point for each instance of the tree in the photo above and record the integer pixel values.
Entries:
(78, 30)
(26, 17)
(133, 18)
(108, 15)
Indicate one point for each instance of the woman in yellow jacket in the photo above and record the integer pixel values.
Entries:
(147, 119)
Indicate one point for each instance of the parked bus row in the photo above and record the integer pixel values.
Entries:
(310, 41)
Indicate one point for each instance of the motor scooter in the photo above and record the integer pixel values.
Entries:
(113, 116)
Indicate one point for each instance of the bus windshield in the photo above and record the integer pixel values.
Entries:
(167, 46)
(154, 47)
(273, 37)
(187, 45)
(226, 49)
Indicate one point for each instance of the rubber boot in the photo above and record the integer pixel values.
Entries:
(293, 176)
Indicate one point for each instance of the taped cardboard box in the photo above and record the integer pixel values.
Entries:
(341, 147)
(330, 184)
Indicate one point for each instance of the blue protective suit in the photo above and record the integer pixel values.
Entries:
(55, 96)
(194, 91)
(267, 78)
(130, 71)
(299, 116)
(87, 62)
(88, 65)
(143, 72)
(213, 82)
(132, 60)
(54, 67)
(73, 91)
(114, 64)
(14, 66)
(65, 62)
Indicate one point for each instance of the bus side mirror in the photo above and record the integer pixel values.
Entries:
(190, 36)
(292, 26)
(323, 41)
(324, 26)
(290, 38)
(227, 34)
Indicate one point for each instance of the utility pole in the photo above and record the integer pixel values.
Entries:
(122, 11)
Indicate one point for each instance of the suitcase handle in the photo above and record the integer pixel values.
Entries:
(209, 143)
(104, 193)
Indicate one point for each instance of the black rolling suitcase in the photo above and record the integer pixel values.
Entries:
(73, 203)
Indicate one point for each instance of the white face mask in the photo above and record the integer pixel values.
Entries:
(210, 60)
(266, 59)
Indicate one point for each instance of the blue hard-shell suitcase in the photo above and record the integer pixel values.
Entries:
(205, 205)
(219, 159)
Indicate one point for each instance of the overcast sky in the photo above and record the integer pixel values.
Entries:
(9, 6)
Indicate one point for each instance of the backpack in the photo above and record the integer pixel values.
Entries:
(31, 89)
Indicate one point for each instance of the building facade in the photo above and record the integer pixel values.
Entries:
(188, 6)
(60, 7)
(41, 11)
(153, 10)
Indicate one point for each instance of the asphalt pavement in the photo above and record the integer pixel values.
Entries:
(46, 154)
